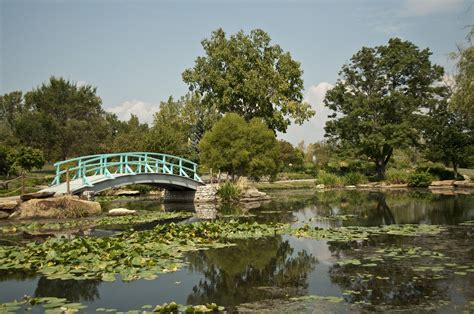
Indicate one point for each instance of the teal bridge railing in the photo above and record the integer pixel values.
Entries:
(109, 165)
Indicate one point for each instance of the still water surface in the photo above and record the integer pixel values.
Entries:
(264, 274)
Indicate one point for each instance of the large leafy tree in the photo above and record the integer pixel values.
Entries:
(449, 137)
(169, 134)
(248, 75)
(378, 98)
(463, 96)
(240, 148)
(62, 119)
(292, 158)
(130, 136)
(179, 126)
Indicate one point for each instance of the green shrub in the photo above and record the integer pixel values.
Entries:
(229, 192)
(397, 176)
(437, 170)
(310, 169)
(329, 179)
(419, 179)
(354, 178)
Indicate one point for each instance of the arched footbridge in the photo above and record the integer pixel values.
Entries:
(97, 173)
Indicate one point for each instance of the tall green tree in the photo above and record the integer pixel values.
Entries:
(377, 100)
(130, 136)
(11, 106)
(169, 134)
(62, 119)
(449, 137)
(240, 148)
(291, 157)
(248, 75)
(463, 96)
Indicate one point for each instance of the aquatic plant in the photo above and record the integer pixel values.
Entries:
(142, 217)
(363, 233)
(229, 192)
(131, 254)
(61, 305)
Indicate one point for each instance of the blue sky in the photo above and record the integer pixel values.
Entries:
(135, 51)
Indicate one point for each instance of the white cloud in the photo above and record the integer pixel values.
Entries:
(312, 130)
(143, 110)
(427, 7)
(81, 83)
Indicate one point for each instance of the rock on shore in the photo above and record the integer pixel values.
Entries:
(57, 207)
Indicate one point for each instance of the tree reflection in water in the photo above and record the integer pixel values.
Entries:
(72, 290)
(253, 270)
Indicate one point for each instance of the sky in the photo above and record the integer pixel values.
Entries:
(135, 51)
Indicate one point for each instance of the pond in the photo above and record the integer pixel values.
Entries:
(422, 260)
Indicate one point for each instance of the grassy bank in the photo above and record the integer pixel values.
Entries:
(285, 185)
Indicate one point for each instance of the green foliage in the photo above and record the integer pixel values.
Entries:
(179, 126)
(420, 179)
(329, 179)
(28, 158)
(132, 254)
(292, 159)
(378, 97)
(247, 75)
(436, 170)
(6, 160)
(354, 178)
(229, 192)
(397, 176)
(62, 119)
(463, 96)
(129, 136)
(240, 148)
(449, 136)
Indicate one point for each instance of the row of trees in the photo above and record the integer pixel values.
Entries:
(245, 89)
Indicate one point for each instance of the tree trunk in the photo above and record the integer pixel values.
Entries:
(382, 161)
(455, 170)
(380, 166)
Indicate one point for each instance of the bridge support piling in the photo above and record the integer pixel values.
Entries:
(203, 194)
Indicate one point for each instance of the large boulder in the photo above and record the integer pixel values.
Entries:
(8, 205)
(57, 207)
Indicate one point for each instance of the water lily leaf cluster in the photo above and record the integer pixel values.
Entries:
(47, 305)
(38, 226)
(61, 305)
(132, 255)
(353, 233)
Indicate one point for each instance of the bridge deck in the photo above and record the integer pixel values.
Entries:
(100, 183)
(76, 185)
